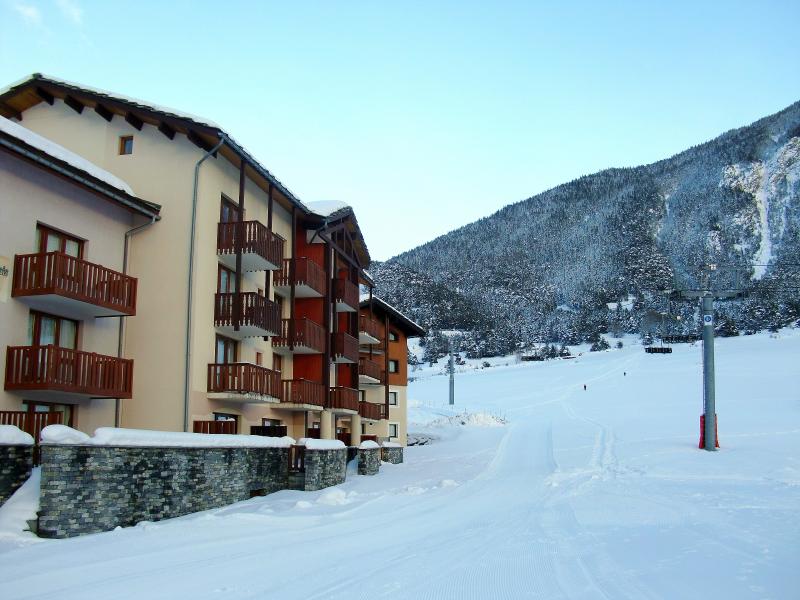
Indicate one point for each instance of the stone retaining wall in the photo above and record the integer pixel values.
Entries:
(324, 468)
(392, 455)
(87, 489)
(16, 463)
(369, 461)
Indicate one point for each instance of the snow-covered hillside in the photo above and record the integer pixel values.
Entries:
(596, 493)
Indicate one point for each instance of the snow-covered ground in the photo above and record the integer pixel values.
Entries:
(599, 493)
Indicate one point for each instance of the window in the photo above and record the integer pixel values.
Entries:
(228, 211)
(277, 362)
(126, 144)
(392, 336)
(394, 366)
(362, 395)
(44, 329)
(393, 398)
(261, 292)
(259, 358)
(67, 411)
(226, 350)
(363, 429)
(226, 280)
(271, 422)
(393, 430)
(50, 240)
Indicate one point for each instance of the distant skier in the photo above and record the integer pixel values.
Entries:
(624, 374)
(584, 387)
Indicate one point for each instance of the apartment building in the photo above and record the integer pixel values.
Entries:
(250, 322)
(64, 287)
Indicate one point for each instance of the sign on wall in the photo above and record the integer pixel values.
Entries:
(5, 278)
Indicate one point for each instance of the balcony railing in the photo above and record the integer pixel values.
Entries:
(345, 348)
(345, 295)
(371, 411)
(309, 278)
(30, 422)
(344, 398)
(244, 378)
(92, 289)
(53, 369)
(309, 337)
(262, 249)
(369, 330)
(345, 437)
(302, 391)
(228, 427)
(370, 370)
(256, 315)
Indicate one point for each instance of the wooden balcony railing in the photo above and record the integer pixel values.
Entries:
(302, 391)
(344, 398)
(244, 378)
(346, 292)
(307, 334)
(313, 433)
(269, 430)
(254, 311)
(370, 326)
(345, 437)
(228, 427)
(372, 411)
(254, 237)
(369, 368)
(64, 275)
(30, 422)
(306, 273)
(369, 437)
(345, 347)
(50, 368)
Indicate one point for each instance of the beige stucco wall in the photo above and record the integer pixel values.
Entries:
(397, 414)
(30, 195)
(162, 171)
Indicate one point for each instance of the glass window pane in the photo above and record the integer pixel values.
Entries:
(31, 322)
(53, 242)
(41, 408)
(67, 334)
(73, 248)
(47, 331)
(220, 354)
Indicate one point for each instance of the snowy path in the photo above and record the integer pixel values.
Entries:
(585, 494)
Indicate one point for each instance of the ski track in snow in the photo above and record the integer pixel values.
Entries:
(585, 494)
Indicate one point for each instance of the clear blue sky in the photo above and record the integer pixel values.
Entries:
(426, 116)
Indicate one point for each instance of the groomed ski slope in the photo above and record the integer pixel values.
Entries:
(584, 494)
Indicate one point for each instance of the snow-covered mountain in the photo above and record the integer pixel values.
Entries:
(564, 264)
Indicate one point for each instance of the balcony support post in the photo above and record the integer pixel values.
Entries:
(326, 428)
(268, 275)
(326, 323)
(292, 278)
(355, 429)
(237, 309)
(386, 363)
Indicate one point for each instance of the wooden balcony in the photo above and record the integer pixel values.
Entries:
(256, 315)
(50, 373)
(370, 331)
(301, 394)
(262, 249)
(344, 399)
(309, 337)
(71, 287)
(243, 382)
(370, 372)
(371, 411)
(345, 296)
(269, 430)
(218, 427)
(30, 422)
(309, 279)
(344, 348)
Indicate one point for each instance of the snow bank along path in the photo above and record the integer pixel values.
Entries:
(584, 494)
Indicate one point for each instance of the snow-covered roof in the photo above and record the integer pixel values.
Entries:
(409, 323)
(59, 152)
(326, 208)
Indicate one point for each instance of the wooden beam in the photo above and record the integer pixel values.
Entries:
(134, 121)
(166, 130)
(74, 104)
(103, 112)
(199, 141)
(14, 114)
(45, 95)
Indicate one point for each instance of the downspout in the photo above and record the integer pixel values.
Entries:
(121, 334)
(189, 297)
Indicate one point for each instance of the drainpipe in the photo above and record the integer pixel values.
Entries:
(189, 298)
(121, 334)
